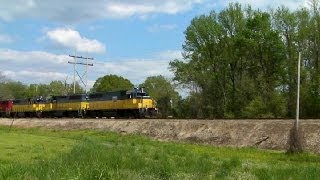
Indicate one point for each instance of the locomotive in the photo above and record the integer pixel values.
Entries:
(134, 103)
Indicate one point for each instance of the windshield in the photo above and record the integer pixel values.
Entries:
(142, 94)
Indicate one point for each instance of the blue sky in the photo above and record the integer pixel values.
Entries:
(130, 38)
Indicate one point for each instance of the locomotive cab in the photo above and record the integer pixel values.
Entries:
(142, 101)
(137, 93)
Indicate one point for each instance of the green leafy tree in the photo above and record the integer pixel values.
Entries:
(286, 23)
(4, 92)
(54, 88)
(15, 90)
(69, 88)
(57, 88)
(309, 26)
(163, 92)
(202, 71)
(62, 88)
(111, 83)
(266, 59)
(231, 59)
(34, 90)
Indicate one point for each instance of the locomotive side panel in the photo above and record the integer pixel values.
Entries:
(5, 108)
(69, 106)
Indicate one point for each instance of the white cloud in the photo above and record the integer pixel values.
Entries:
(162, 27)
(37, 76)
(69, 38)
(127, 8)
(84, 10)
(33, 66)
(6, 38)
(43, 67)
(264, 4)
(169, 55)
(136, 70)
(75, 11)
(10, 57)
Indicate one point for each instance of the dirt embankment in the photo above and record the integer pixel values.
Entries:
(266, 134)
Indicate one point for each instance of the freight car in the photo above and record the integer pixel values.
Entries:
(135, 103)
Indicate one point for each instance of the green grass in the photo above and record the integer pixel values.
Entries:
(49, 154)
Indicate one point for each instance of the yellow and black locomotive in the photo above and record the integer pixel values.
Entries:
(135, 103)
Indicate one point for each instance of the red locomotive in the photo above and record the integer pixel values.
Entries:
(5, 108)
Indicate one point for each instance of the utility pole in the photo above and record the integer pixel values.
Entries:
(295, 135)
(75, 57)
(298, 94)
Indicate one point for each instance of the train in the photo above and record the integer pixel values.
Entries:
(133, 103)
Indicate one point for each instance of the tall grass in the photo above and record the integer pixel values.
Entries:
(102, 155)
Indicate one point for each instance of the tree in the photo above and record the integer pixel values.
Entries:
(54, 88)
(61, 88)
(36, 90)
(309, 43)
(14, 90)
(266, 61)
(57, 88)
(111, 83)
(3, 89)
(286, 23)
(163, 92)
(233, 59)
(215, 60)
(69, 89)
(203, 70)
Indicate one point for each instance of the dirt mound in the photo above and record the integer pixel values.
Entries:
(267, 134)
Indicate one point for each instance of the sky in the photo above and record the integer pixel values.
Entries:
(134, 39)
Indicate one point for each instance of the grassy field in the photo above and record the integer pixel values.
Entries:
(51, 154)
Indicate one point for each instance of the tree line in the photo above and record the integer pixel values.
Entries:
(10, 89)
(242, 63)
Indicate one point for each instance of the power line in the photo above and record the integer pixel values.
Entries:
(81, 57)
(80, 63)
(75, 57)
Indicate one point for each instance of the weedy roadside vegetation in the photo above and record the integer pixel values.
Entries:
(89, 154)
